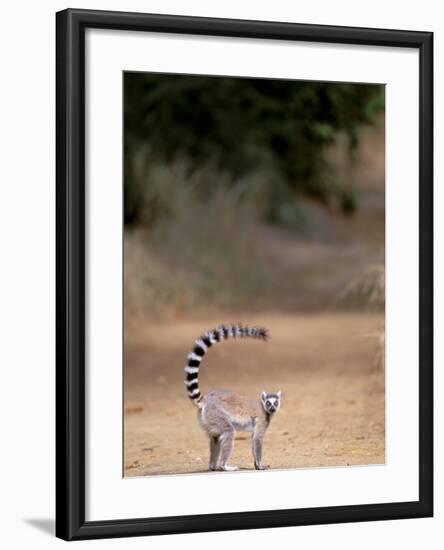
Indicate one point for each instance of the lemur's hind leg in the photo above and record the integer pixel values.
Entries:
(214, 452)
(226, 441)
(216, 422)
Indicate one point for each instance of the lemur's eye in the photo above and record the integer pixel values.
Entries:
(268, 403)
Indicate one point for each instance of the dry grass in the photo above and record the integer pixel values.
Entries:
(366, 289)
(201, 252)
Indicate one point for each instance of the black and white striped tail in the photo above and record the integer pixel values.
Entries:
(205, 342)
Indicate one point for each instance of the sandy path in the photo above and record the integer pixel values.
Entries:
(333, 395)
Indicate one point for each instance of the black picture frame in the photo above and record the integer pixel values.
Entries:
(70, 273)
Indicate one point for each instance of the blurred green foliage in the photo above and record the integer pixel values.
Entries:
(262, 134)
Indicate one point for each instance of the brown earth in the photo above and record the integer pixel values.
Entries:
(325, 364)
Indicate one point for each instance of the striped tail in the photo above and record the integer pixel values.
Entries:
(202, 345)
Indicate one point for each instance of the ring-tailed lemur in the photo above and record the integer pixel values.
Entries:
(222, 412)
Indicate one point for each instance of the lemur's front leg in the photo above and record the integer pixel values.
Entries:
(258, 443)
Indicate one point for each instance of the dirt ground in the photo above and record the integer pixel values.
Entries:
(325, 364)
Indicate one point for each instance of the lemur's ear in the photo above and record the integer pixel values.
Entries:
(264, 395)
(279, 393)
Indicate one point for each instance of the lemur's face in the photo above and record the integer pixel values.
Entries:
(271, 401)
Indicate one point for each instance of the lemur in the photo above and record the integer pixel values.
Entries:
(222, 412)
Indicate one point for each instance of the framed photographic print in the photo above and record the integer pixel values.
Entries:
(244, 274)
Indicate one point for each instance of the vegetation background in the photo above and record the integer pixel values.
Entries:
(259, 201)
(223, 175)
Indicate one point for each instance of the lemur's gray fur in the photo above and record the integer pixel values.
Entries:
(222, 412)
